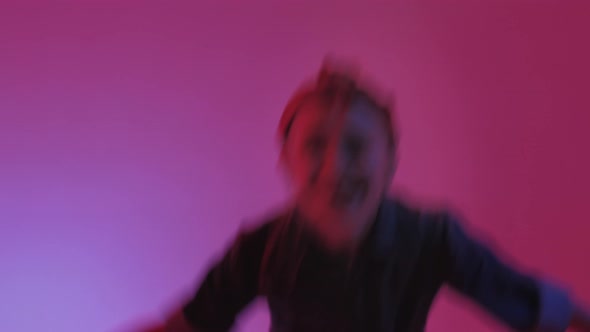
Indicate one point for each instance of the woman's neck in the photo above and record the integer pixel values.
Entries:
(337, 237)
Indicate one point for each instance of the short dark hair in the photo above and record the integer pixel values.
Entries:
(337, 86)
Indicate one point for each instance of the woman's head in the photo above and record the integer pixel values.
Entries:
(338, 150)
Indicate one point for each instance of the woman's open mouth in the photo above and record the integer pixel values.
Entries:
(349, 194)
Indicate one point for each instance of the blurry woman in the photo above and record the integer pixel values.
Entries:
(345, 256)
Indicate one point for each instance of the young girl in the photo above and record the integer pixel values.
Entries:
(347, 257)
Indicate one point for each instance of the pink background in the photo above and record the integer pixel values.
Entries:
(136, 137)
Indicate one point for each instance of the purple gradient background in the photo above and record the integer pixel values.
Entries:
(136, 137)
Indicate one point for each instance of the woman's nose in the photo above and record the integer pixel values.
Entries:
(333, 164)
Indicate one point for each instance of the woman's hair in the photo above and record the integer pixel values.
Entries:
(337, 84)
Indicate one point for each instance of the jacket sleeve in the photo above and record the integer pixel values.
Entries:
(521, 301)
(229, 286)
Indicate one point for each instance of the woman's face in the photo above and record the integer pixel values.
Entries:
(340, 163)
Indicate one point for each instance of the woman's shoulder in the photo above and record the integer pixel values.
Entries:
(256, 231)
(425, 214)
(426, 223)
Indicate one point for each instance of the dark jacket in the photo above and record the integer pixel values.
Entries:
(405, 259)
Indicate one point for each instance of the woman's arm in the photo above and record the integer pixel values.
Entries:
(229, 286)
(522, 301)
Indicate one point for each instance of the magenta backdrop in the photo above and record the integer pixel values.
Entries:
(136, 137)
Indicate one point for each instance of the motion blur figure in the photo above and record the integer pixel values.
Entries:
(347, 256)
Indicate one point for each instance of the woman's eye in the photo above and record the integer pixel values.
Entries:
(355, 147)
